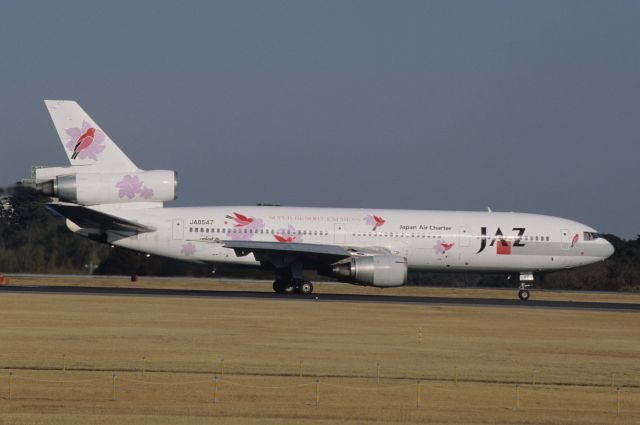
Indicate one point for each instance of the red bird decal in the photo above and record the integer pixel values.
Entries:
(241, 220)
(575, 240)
(284, 239)
(379, 221)
(84, 142)
(447, 246)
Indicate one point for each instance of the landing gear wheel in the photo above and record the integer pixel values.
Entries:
(306, 287)
(278, 286)
(523, 294)
(288, 288)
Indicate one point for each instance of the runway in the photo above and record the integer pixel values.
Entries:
(379, 299)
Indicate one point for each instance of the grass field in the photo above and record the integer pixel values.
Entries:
(468, 361)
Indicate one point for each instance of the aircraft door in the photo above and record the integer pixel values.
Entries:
(339, 233)
(465, 236)
(178, 229)
(564, 237)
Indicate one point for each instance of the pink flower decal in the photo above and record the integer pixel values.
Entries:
(288, 235)
(375, 221)
(575, 240)
(130, 186)
(245, 232)
(146, 192)
(442, 247)
(188, 249)
(85, 142)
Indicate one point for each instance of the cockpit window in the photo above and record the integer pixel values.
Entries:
(591, 236)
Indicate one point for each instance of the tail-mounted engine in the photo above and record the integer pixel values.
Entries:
(93, 188)
(383, 271)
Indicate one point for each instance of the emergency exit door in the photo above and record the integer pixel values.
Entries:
(178, 229)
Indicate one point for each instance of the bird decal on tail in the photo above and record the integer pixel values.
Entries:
(84, 142)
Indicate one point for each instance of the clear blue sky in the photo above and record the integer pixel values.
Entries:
(523, 106)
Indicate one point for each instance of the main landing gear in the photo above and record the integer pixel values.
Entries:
(523, 292)
(290, 286)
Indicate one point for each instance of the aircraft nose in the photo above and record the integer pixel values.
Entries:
(607, 250)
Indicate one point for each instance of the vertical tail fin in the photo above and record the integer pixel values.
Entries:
(83, 140)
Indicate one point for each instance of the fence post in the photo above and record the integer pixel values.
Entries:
(64, 363)
(613, 380)
(144, 365)
(618, 401)
(419, 335)
(215, 389)
(417, 394)
(300, 369)
(113, 393)
(10, 386)
(517, 396)
(317, 393)
(378, 372)
(455, 375)
(221, 367)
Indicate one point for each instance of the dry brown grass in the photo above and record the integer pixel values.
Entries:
(564, 361)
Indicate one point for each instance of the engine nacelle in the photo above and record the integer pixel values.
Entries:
(112, 188)
(383, 271)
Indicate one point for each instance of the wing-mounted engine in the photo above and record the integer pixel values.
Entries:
(383, 271)
(71, 184)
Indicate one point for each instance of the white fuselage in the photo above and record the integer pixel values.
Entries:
(435, 240)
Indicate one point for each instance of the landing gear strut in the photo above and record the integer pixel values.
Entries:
(523, 292)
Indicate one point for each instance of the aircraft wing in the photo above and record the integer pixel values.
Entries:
(328, 252)
(249, 246)
(92, 219)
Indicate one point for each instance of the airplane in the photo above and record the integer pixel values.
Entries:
(105, 197)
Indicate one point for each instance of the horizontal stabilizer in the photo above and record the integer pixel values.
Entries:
(91, 219)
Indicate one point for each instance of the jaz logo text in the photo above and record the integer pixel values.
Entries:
(504, 246)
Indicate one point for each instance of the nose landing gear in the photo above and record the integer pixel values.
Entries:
(523, 292)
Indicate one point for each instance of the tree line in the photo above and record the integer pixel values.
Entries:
(34, 240)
